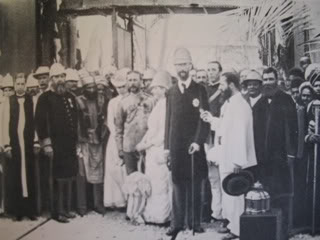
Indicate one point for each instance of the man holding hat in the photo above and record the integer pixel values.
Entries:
(57, 122)
(90, 146)
(131, 121)
(185, 135)
(42, 75)
(234, 145)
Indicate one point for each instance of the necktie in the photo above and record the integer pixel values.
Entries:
(184, 87)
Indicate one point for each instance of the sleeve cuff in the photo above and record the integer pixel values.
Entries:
(45, 142)
(7, 148)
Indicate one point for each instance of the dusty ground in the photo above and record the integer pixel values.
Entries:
(112, 226)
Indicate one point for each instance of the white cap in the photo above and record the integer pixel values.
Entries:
(162, 79)
(32, 81)
(87, 80)
(310, 68)
(56, 69)
(42, 70)
(182, 55)
(108, 70)
(120, 77)
(148, 73)
(253, 75)
(101, 80)
(72, 75)
(7, 81)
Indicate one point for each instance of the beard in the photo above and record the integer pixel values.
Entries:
(183, 75)
(268, 90)
(226, 94)
(59, 87)
(90, 95)
(134, 89)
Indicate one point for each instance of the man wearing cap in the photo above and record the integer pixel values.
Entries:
(8, 90)
(234, 145)
(131, 121)
(90, 146)
(32, 86)
(313, 141)
(72, 79)
(42, 75)
(304, 62)
(147, 79)
(115, 172)
(108, 73)
(185, 135)
(259, 105)
(280, 144)
(57, 121)
(20, 146)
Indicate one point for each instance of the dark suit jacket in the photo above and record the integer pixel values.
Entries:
(281, 141)
(183, 127)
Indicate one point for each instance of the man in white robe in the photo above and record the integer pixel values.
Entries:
(235, 145)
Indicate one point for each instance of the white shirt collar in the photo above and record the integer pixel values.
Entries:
(186, 83)
(253, 101)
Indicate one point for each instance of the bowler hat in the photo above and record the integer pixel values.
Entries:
(236, 184)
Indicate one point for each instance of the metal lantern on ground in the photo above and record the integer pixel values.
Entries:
(257, 200)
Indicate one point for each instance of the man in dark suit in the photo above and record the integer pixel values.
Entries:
(185, 136)
(260, 105)
(280, 145)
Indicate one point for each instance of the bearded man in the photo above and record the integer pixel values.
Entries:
(185, 134)
(90, 146)
(57, 121)
(131, 121)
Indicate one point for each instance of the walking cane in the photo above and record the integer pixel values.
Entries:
(192, 191)
(51, 186)
(316, 105)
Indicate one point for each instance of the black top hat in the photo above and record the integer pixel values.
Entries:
(236, 184)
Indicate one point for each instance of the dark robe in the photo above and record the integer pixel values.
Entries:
(18, 205)
(280, 142)
(310, 177)
(56, 119)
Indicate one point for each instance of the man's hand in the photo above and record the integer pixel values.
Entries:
(206, 116)
(236, 169)
(194, 147)
(48, 151)
(121, 154)
(314, 138)
(8, 153)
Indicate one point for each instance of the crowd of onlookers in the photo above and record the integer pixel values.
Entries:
(75, 141)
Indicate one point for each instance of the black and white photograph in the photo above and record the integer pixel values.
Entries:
(159, 119)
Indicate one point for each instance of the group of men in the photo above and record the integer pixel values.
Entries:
(217, 123)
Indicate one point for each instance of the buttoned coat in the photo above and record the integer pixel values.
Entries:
(56, 124)
(183, 127)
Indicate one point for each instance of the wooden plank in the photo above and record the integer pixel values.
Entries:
(114, 37)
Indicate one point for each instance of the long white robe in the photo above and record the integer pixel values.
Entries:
(114, 173)
(235, 147)
(158, 206)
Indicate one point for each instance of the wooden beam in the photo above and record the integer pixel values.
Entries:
(114, 37)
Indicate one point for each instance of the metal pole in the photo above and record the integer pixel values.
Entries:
(316, 105)
(192, 191)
